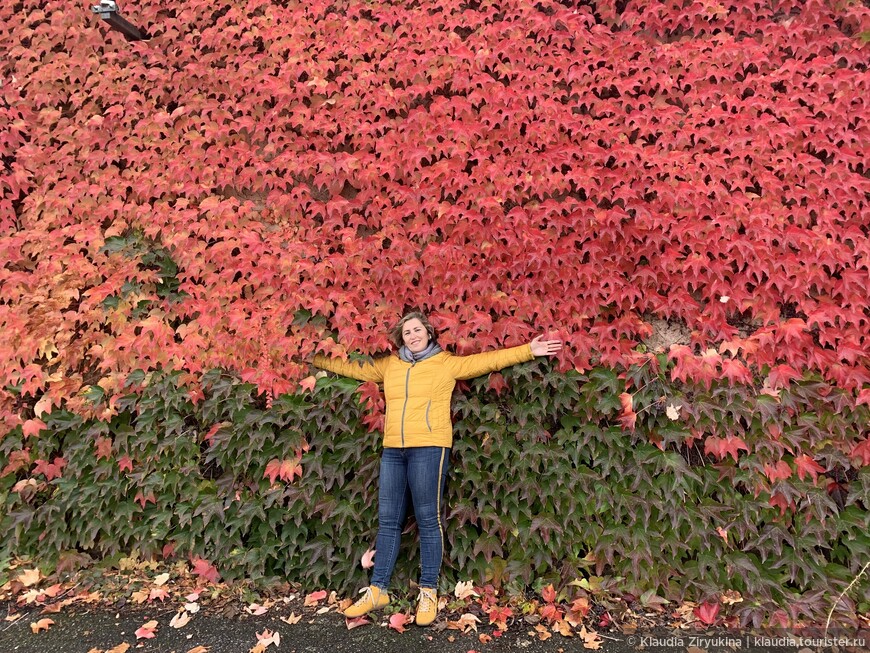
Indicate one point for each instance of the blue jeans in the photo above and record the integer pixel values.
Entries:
(422, 470)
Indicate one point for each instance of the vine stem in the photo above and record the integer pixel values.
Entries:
(854, 580)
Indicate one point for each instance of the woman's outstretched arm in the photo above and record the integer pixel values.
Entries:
(468, 367)
(360, 371)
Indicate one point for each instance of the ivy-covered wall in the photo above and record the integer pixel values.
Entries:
(546, 486)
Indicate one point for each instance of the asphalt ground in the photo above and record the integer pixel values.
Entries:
(82, 629)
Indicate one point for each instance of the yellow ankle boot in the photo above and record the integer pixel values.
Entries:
(374, 598)
(427, 606)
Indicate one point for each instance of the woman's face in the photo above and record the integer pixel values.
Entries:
(414, 335)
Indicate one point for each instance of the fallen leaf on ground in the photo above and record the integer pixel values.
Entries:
(123, 647)
(292, 619)
(268, 637)
(158, 593)
(484, 638)
(146, 631)
(591, 640)
(563, 629)
(355, 623)
(161, 579)
(707, 612)
(543, 633)
(368, 559)
(193, 597)
(42, 624)
(464, 589)
(192, 608)
(198, 649)
(29, 577)
(315, 597)
(398, 621)
(468, 622)
(180, 620)
(324, 609)
(695, 649)
(13, 617)
(256, 609)
(139, 596)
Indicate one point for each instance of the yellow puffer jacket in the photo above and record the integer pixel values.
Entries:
(418, 394)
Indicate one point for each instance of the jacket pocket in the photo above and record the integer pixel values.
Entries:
(428, 425)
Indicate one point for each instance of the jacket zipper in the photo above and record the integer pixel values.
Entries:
(428, 426)
(407, 378)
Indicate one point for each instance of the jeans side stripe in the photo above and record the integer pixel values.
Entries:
(438, 500)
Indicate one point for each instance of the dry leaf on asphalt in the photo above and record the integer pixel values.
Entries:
(468, 622)
(198, 649)
(355, 623)
(256, 609)
(123, 647)
(180, 620)
(398, 621)
(146, 631)
(267, 638)
(543, 633)
(292, 619)
(591, 640)
(42, 624)
(161, 579)
(563, 629)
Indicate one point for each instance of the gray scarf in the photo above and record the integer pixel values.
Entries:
(409, 357)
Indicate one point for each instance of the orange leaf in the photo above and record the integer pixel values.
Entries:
(42, 624)
(315, 597)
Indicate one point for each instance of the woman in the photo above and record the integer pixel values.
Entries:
(418, 435)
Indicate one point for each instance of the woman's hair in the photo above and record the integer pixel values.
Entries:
(396, 331)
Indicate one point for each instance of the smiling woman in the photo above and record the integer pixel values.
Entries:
(418, 435)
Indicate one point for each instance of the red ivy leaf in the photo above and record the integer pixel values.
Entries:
(205, 570)
(721, 447)
(707, 613)
(32, 427)
(807, 466)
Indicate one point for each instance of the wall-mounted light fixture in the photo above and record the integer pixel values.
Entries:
(108, 11)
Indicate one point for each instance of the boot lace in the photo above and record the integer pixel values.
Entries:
(369, 596)
(426, 599)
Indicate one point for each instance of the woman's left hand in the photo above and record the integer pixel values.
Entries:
(545, 347)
